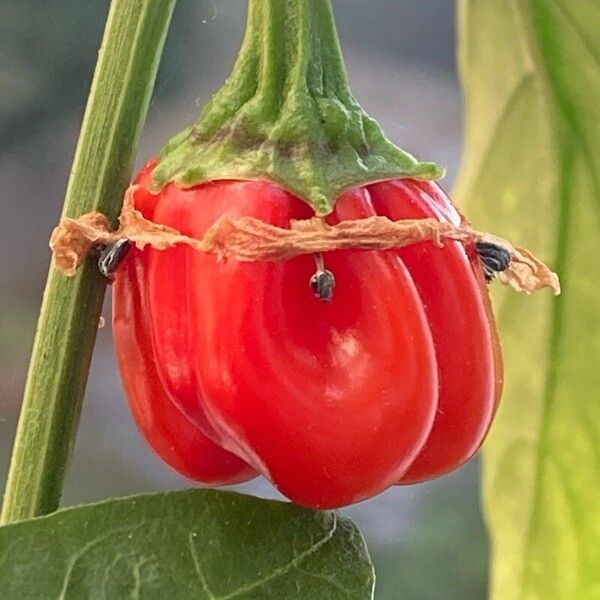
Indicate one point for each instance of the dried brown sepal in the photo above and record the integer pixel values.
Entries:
(528, 274)
(251, 240)
(73, 239)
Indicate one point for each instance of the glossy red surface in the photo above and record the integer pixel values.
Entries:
(174, 438)
(460, 326)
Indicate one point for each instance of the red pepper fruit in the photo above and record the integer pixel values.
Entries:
(332, 402)
(232, 368)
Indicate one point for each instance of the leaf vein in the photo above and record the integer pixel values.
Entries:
(277, 572)
(198, 568)
(73, 560)
(329, 580)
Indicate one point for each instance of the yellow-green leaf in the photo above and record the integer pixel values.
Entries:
(531, 71)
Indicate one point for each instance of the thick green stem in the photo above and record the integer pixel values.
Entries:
(117, 106)
(286, 113)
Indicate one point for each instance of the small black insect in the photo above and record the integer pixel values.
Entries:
(322, 282)
(112, 255)
(494, 259)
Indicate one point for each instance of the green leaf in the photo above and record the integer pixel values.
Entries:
(201, 544)
(531, 70)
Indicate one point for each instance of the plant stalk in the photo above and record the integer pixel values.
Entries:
(116, 110)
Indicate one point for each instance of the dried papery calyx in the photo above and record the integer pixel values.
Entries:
(251, 240)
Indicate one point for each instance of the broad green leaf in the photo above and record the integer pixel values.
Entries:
(200, 544)
(531, 70)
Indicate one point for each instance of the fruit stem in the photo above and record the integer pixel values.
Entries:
(286, 113)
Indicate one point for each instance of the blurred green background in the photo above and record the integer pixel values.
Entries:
(427, 541)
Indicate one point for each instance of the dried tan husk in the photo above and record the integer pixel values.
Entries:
(250, 240)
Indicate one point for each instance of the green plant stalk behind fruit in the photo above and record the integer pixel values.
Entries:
(68, 322)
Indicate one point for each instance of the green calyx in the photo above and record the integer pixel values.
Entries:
(286, 114)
